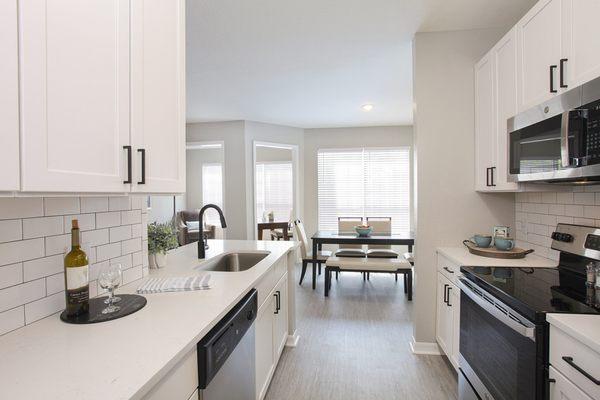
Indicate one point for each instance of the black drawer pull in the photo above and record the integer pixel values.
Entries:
(552, 68)
(448, 303)
(128, 148)
(143, 155)
(445, 293)
(448, 270)
(569, 360)
(562, 73)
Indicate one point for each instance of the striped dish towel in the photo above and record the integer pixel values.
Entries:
(160, 285)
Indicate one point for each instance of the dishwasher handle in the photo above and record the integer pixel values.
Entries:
(218, 344)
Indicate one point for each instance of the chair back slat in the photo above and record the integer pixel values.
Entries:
(381, 226)
(302, 238)
(346, 225)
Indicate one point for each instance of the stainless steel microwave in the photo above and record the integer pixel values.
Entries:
(559, 140)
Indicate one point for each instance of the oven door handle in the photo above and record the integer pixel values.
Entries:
(564, 140)
(528, 332)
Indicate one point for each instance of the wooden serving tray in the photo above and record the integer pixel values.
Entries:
(493, 252)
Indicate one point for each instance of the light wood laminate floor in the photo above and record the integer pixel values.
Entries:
(354, 345)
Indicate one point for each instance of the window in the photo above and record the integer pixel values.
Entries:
(369, 182)
(212, 191)
(274, 190)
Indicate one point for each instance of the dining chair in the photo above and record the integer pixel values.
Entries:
(346, 226)
(277, 234)
(306, 254)
(381, 226)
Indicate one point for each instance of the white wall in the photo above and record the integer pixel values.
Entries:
(315, 139)
(448, 208)
(232, 134)
(273, 154)
(258, 131)
(194, 160)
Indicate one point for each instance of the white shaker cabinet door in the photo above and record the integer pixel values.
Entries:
(158, 95)
(563, 389)
(581, 41)
(9, 97)
(265, 359)
(505, 91)
(74, 66)
(444, 316)
(485, 129)
(539, 35)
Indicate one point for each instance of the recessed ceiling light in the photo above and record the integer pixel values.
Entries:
(367, 107)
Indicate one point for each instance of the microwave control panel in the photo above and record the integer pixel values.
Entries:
(593, 131)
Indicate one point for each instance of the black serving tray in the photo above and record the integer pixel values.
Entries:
(129, 304)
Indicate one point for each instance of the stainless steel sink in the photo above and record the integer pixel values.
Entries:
(233, 262)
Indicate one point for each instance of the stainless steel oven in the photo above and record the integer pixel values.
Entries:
(558, 141)
(499, 357)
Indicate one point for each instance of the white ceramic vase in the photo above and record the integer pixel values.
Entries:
(161, 260)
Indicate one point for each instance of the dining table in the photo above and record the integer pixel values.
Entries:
(284, 226)
(332, 237)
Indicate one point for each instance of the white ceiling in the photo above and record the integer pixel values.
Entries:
(313, 63)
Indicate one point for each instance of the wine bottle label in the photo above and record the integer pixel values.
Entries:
(77, 277)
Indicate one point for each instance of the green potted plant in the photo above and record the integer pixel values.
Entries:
(161, 238)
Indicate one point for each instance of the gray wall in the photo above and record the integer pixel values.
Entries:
(194, 160)
(273, 154)
(315, 139)
(448, 208)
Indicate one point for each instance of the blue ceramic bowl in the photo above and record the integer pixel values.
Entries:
(363, 231)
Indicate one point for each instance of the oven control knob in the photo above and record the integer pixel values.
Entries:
(250, 315)
(562, 237)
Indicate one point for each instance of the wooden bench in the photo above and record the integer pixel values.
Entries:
(367, 265)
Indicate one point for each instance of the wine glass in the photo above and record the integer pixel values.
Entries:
(110, 278)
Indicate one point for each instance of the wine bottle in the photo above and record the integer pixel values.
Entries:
(77, 283)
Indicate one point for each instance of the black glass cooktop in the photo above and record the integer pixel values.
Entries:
(533, 292)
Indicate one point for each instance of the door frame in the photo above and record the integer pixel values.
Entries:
(295, 179)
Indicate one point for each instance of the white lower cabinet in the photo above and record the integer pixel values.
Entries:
(447, 326)
(563, 389)
(271, 335)
(180, 383)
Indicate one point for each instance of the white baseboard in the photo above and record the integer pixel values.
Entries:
(292, 340)
(425, 348)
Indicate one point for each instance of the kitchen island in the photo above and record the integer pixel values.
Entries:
(126, 358)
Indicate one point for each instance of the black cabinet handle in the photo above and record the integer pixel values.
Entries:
(448, 303)
(143, 155)
(492, 176)
(487, 177)
(445, 293)
(569, 360)
(277, 295)
(448, 270)
(562, 72)
(552, 68)
(128, 148)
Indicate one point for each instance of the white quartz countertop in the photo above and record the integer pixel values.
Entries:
(462, 257)
(125, 358)
(583, 327)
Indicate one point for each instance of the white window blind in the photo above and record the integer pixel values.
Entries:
(369, 182)
(212, 190)
(274, 190)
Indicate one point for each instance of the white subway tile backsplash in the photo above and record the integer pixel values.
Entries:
(42, 267)
(61, 205)
(12, 319)
(55, 284)
(14, 252)
(119, 203)
(11, 275)
(132, 245)
(584, 198)
(94, 204)
(108, 251)
(131, 217)
(44, 307)
(549, 197)
(87, 222)
(564, 198)
(109, 219)
(40, 227)
(96, 237)
(120, 233)
(591, 212)
(11, 230)
(15, 296)
(21, 207)
(57, 244)
(573, 210)
(35, 235)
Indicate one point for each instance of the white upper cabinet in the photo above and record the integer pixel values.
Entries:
(540, 51)
(158, 95)
(505, 93)
(74, 95)
(581, 41)
(9, 97)
(484, 123)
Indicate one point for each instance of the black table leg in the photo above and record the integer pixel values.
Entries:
(314, 263)
(327, 278)
(314, 276)
(409, 284)
(410, 248)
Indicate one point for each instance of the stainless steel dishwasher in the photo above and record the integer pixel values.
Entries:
(226, 355)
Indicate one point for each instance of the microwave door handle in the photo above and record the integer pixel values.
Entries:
(528, 332)
(564, 140)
